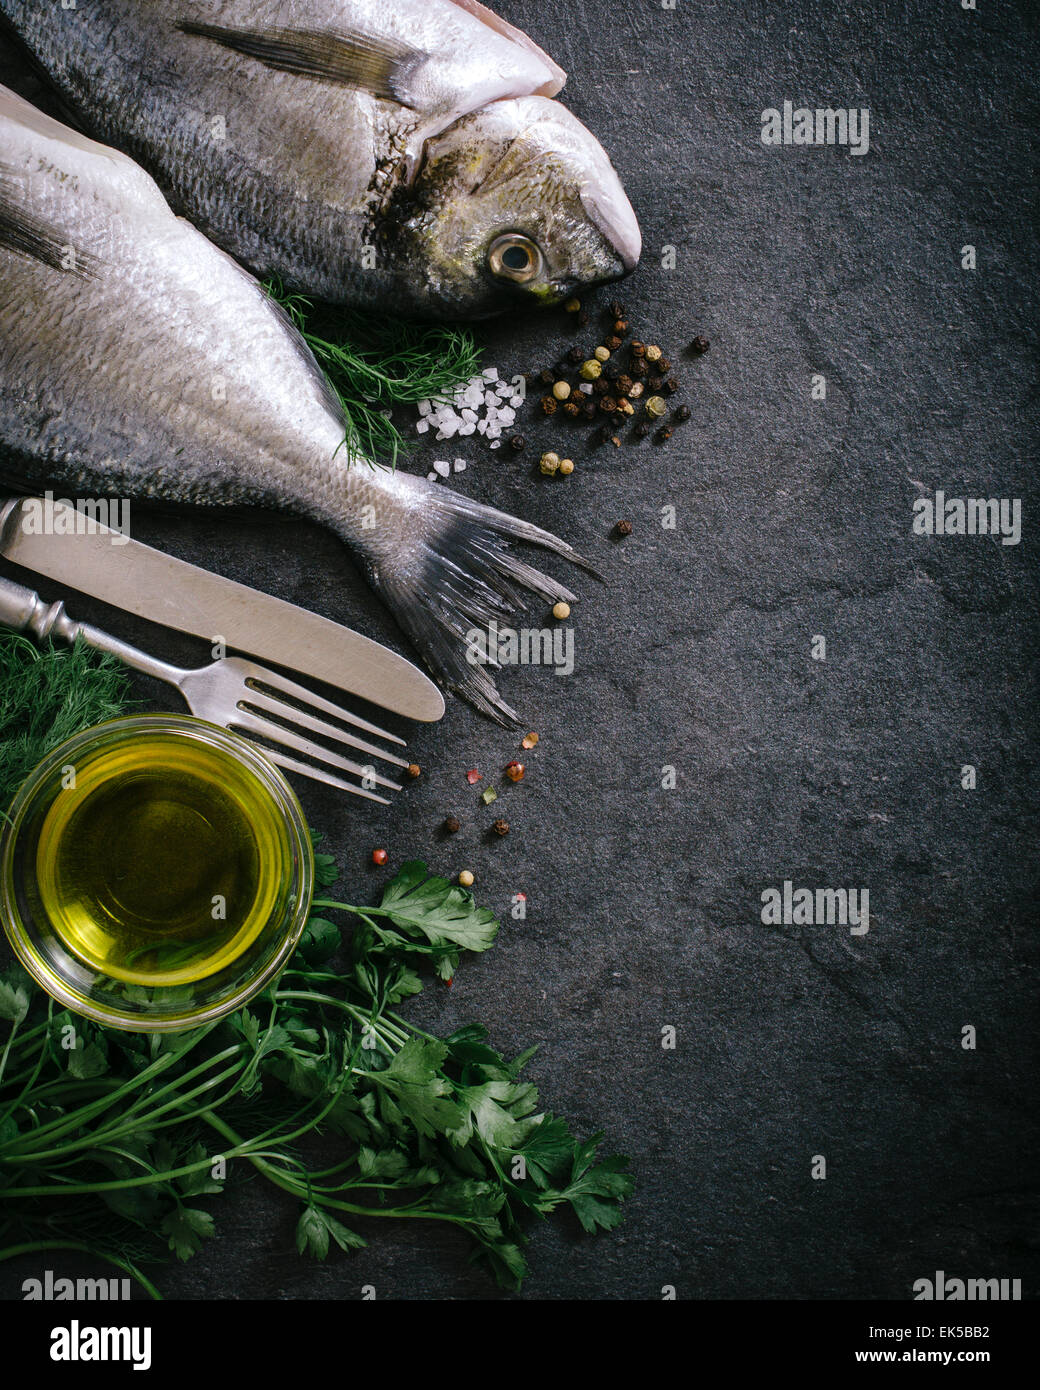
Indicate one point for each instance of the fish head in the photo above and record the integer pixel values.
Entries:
(517, 204)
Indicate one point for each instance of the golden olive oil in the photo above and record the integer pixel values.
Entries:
(160, 861)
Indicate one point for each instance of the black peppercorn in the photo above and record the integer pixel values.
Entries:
(589, 410)
(518, 442)
(600, 387)
(571, 409)
(576, 356)
(623, 528)
(617, 309)
(624, 384)
(639, 369)
(608, 405)
(683, 413)
(613, 343)
(547, 377)
(621, 328)
(700, 344)
(670, 386)
(664, 365)
(451, 824)
(549, 405)
(642, 430)
(663, 435)
(501, 827)
(637, 349)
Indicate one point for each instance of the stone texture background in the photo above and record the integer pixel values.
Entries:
(793, 520)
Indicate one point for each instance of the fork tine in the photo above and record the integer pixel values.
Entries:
(256, 724)
(318, 726)
(280, 685)
(308, 770)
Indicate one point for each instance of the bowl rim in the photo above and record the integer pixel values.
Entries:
(250, 757)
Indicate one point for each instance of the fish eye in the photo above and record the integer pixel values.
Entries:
(514, 257)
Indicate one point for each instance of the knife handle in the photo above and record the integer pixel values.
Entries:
(24, 610)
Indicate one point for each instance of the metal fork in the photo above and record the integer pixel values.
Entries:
(232, 692)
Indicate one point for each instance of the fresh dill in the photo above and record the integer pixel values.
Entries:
(375, 364)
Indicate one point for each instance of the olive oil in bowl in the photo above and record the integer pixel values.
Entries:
(156, 872)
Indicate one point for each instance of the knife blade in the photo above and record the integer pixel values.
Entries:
(56, 540)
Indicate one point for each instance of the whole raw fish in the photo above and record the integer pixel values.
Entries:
(139, 361)
(398, 154)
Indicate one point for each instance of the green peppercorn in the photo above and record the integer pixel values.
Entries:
(656, 407)
(591, 369)
(549, 463)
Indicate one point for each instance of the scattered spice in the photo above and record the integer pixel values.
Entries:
(571, 409)
(488, 795)
(515, 771)
(473, 776)
(518, 442)
(561, 610)
(591, 369)
(623, 528)
(379, 856)
(546, 377)
(600, 387)
(642, 430)
(671, 386)
(653, 353)
(700, 345)
(561, 390)
(529, 740)
(414, 770)
(617, 308)
(566, 467)
(656, 407)
(663, 435)
(601, 354)
(664, 365)
(608, 405)
(635, 390)
(549, 405)
(589, 411)
(549, 463)
(626, 407)
(501, 827)
(451, 824)
(637, 349)
(613, 343)
(621, 328)
(683, 413)
(465, 881)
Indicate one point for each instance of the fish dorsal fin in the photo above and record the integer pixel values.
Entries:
(27, 235)
(377, 65)
(493, 21)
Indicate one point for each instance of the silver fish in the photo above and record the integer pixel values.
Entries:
(399, 154)
(139, 361)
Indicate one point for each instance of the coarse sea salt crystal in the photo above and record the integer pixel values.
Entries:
(424, 407)
(516, 401)
(495, 444)
(490, 373)
(468, 429)
(442, 466)
(507, 416)
(460, 465)
(422, 426)
(431, 477)
(586, 386)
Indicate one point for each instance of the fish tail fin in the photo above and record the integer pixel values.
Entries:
(455, 577)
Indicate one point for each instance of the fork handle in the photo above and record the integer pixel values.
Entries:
(23, 610)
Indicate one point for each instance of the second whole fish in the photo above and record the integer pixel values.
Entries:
(139, 361)
(403, 155)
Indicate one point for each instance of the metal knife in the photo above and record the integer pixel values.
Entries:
(62, 543)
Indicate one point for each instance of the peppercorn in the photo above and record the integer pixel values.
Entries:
(414, 770)
(626, 407)
(546, 377)
(653, 353)
(575, 356)
(642, 430)
(664, 366)
(571, 409)
(601, 354)
(549, 463)
(624, 384)
(379, 856)
(573, 305)
(617, 308)
(561, 390)
(615, 439)
(639, 368)
(670, 386)
(623, 528)
(561, 610)
(465, 879)
(451, 824)
(601, 387)
(608, 405)
(518, 442)
(637, 349)
(635, 390)
(614, 343)
(549, 405)
(683, 413)
(515, 771)
(700, 344)
(656, 407)
(621, 328)
(589, 410)
(600, 436)
(501, 827)
(663, 435)
(566, 467)
(529, 740)
(590, 370)
(655, 382)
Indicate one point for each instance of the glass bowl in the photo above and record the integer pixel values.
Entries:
(156, 872)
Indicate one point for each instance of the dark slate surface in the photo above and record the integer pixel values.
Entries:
(793, 519)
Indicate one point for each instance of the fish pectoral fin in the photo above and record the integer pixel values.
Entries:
(380, 66)
(26, 234)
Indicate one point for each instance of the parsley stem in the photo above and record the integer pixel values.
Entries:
(36, 1246)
